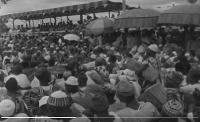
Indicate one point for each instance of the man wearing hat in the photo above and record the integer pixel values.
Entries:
(72, 85)
(126, 93)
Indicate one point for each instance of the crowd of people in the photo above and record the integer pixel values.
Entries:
(139, 76)
(56, 26)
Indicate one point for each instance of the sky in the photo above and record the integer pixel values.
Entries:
(17, 6)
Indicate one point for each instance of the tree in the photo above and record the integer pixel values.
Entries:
(4, 1)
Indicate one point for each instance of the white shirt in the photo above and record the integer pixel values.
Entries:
(22, 80)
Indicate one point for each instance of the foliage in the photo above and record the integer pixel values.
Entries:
(4, 1)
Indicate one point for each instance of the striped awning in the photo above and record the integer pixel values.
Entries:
(100, 6)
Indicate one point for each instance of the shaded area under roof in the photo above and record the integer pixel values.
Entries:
(92, 7)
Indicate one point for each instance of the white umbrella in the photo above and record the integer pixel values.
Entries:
(181, 15)
(71, 37)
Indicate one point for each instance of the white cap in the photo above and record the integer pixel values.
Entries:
(7, 108)
(47, 58)
(72, 81)
(43, 101)
(93, 56)
(154, 48)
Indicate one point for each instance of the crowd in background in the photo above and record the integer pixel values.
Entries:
(56, 26)
(131, 76)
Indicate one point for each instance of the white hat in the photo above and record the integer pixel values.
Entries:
(47, 58)
(72, 81)
(7, 108)
(154, 48)
(112, 48)
(43, 101)
(93, 56)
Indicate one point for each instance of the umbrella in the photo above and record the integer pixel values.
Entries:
(71, 37)
(102, 25)
(181, 15)
(137, 18)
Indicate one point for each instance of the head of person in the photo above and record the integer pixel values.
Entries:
(100, 107)
(172, 108)
(72, 85)
(43, 75)
(173, 80)
(191, 55)
(129, 55)
(43, 106)
(51, 62)
(193, 77)
(67, 74)
(125, 91)
(16, 69)
(82, 79)
(152, 50)
(7, 108)
(110, 93)
(12, 85)
(99, 62)
(58, 105)
(112, 58)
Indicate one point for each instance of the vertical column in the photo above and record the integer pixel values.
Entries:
(81, 17)
(124, 5)
(29, 22)
(13, 22)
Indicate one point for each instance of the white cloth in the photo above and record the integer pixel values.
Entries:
(189, 89)
(89, 65)
(22, 80)
(35, 82)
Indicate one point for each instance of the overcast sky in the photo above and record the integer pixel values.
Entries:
(17, 6)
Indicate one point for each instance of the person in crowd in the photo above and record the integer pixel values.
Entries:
(58, 105)
(172, 109)
(22, 79)
(99, 111)
(112, 60)
(192, 80)
(71, 85)
(192, 57)
(43, 106)
(126, 93)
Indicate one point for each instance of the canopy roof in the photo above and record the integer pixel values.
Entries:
(93, 7)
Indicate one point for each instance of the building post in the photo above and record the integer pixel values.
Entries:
(124, 5)
(13, 22)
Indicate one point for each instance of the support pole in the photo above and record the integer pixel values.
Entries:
(55, 21)
(109, 14)
(81, 17)
(124, 5)
(94, 16)
(42, 21)
(50, 20)
(33, 23)
(13, 23)
(29, 22)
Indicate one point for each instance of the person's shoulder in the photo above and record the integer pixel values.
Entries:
(124, 111)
